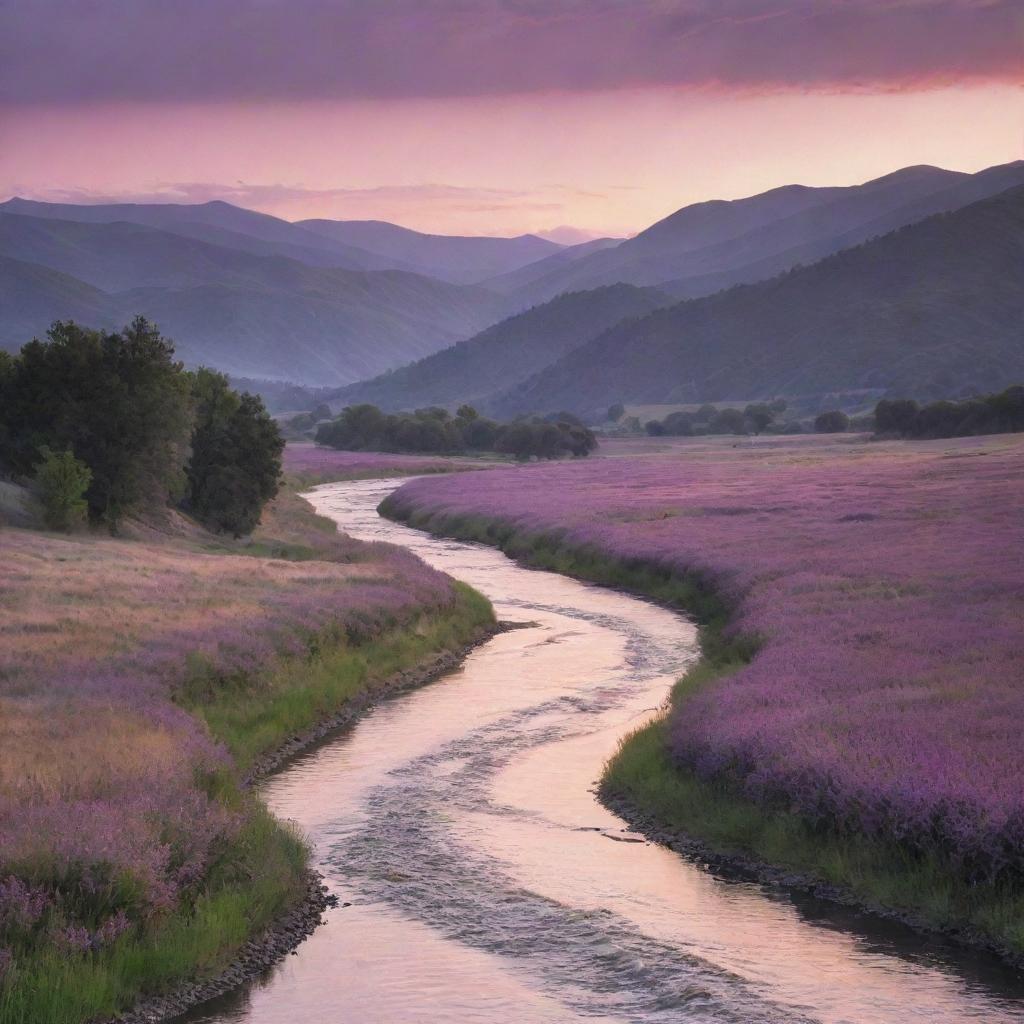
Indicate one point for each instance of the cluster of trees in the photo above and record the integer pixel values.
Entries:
(1000, 413)
(435, 431)
(109, 423)
(756, 418)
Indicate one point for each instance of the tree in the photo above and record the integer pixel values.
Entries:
(832, 422)
(120, 400)
(61, 481)
(759, 416)
(895, 415)
(467, 412)
(728, 421)
(616, 412)
(654, 428)
(235, 465)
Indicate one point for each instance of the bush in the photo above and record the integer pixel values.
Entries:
(832, 422)
(61, 481)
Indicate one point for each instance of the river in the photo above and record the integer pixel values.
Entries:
(482, 882)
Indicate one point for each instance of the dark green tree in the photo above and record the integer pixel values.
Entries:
(235, 465)
(119, 400)
(895, 415)
(728, 421)
(616, 412)
(831, 422)
(759, 416)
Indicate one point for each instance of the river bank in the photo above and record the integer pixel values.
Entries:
(232, 657)
(705, 811)
(486, 882)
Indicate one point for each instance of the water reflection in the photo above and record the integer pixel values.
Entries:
(459, 823)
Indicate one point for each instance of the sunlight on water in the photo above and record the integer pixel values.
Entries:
(483, 880)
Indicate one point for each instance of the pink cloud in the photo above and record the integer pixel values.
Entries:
(97, 50)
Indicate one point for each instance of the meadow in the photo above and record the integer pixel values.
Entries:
(863, 607)
(138, 680)
(310, 464)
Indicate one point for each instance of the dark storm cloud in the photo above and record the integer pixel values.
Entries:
(205, 50)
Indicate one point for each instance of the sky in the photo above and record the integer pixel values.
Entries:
(497, 116)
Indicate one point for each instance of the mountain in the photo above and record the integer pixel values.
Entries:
(708, 246)
(510, 351)
(216, 222)
(457, 259)
(31, 295)
(251, 315)
(928, 310)
(519, 280)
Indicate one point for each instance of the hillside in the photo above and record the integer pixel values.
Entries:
(251, 315)
(505, 353)
(31, 295)
(217, 222)
(928, 310)
(708, 246)
(454, 258)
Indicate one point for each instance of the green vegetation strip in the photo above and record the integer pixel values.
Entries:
(715, 822)
(263, 871)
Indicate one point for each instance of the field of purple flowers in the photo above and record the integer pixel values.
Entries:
(116, 799)
(882, 586)
(312, 464)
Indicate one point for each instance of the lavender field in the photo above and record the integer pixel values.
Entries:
(881, 586)
(118, 801)
(312, 464)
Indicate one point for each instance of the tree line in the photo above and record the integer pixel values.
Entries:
(1000, 413)
(756, 418)
(435, 431)
(108, 423)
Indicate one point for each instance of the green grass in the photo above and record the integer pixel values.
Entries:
(877, 874)
(256, 879)
(261, 873)
(260, 714)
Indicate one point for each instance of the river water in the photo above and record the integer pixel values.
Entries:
(483, 882)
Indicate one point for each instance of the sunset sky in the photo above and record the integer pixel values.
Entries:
(497, 116)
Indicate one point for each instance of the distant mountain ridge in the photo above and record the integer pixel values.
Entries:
(458, 259)
(250, 315)
(708, 246)
(928, 310)
(480, 367)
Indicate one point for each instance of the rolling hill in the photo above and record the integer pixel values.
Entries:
(474, 370)
(216, 222)
(457, 259)
(251, 315)
(928, 310)
(708, 246)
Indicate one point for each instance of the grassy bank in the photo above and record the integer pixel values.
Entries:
(221, 652)
(712, 816)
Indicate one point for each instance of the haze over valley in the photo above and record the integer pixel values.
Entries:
(332, 303)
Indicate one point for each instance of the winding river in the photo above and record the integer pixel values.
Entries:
(482, 882)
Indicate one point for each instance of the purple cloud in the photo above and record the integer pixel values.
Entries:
(203, 50)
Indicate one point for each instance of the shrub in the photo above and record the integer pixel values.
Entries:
(61, 481)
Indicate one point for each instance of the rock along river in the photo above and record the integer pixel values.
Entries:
(482, 882)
